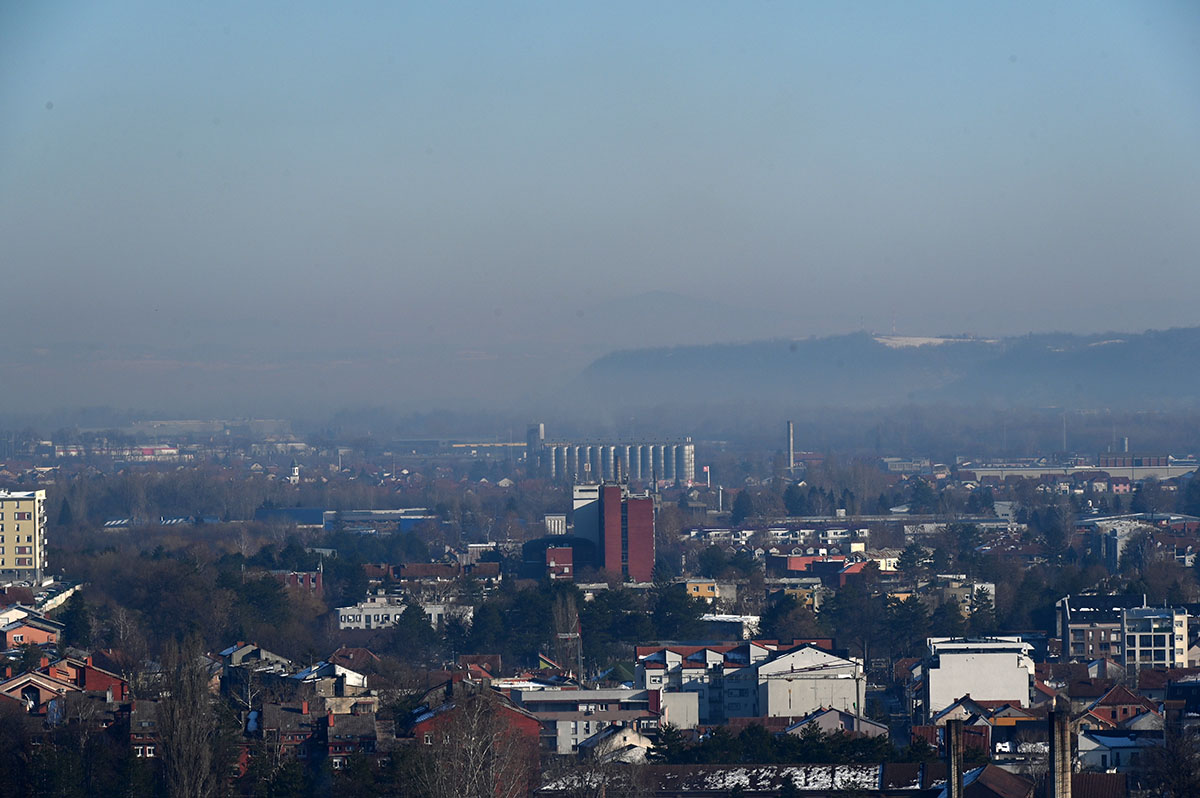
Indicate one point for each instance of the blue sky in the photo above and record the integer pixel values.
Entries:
(464, 184)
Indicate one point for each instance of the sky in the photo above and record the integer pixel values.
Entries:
(234, 207)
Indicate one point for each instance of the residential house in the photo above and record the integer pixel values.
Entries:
(330, 679)
(86, 676)
(839, 721)
(30, 630)
(35, 691)
(1119, 750)
(710, 590)
(616, 743)
(350, 733)
(465, 720)
(292, 729)
(568, 717)
(143, 728)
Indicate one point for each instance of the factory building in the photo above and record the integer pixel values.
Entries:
(607, 461)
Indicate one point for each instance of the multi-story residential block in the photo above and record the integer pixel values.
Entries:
(381, 611)
(987, 669)
(1089, 627)
(752, 679)
(569, 717)
(23, 535)
(1155, 637)
(377, 611)
(794, 683)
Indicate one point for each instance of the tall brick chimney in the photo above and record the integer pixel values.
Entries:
(954, 758)
(1060, 754)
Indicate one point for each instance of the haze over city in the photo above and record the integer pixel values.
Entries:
(228, 208)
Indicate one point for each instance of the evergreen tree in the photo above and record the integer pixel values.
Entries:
(65, 517)
(912, 562)
(921, 498)
(743, 507)
(982, 613)
(787, 619)
(795, 500)
(907, 626)
(947, 619)
(77, 622)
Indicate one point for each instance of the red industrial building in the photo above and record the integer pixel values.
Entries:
(626, 534)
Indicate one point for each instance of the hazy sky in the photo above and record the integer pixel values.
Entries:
(458, 197)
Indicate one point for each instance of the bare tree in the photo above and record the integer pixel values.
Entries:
(1172, 770)
(566, 628)
(477, 752)
(187, 723)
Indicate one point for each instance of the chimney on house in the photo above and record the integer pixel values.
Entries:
(330, 721)
(954, 758)
(45, 662)
(1060, 754)
(304, 707)
(88, 660)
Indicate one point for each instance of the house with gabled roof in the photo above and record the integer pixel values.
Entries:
(328, 678)
(838, 721)
(356, 659)
(292, 729)
(85, 675)
(15, 612)
(30, 629)
(34, 691)
(1119, 750)
(1120, 704)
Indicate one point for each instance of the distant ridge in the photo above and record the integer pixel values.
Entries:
(1148, 370)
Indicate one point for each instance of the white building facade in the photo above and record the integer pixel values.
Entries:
(987, 669)
(1155, 637)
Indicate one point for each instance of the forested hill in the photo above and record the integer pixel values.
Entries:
(1147, 370)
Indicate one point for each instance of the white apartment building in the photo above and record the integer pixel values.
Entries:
(570, 717)
(381, 611)
(753, 680)
(22, 535)
(1155, 637)
(795, 683)
(987, 669)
